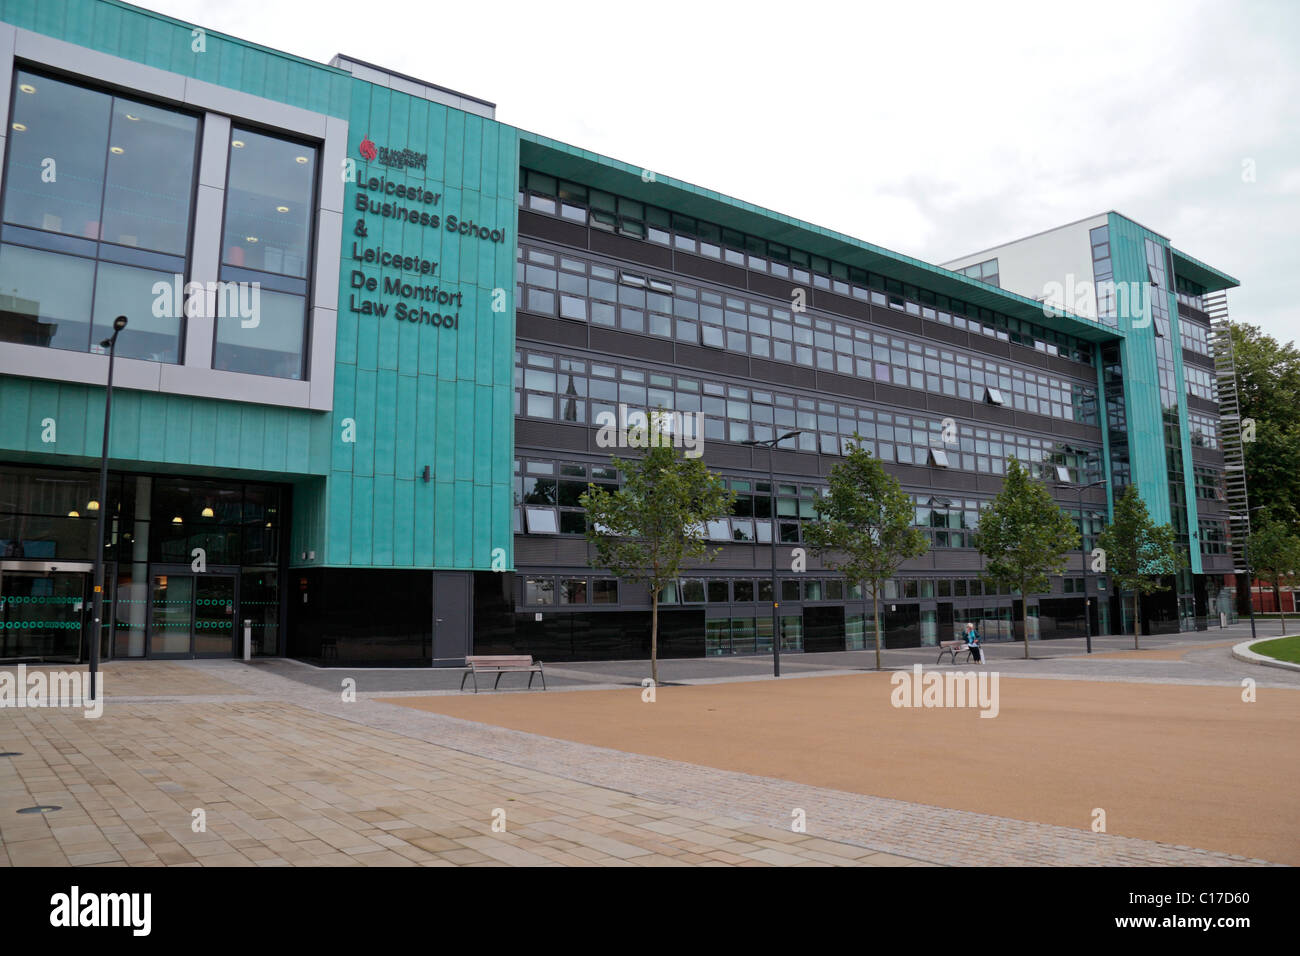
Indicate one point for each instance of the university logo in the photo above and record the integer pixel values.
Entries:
(393, 158)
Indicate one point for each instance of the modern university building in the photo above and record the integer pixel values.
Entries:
(372, 332)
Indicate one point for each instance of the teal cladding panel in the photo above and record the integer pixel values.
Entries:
(161, 432)
(1142, 388)
(168, 44)
(1141, 376)
(425, 360)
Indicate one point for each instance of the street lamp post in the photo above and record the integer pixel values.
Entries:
(1083, 554)
(109, 343)
(771, 444)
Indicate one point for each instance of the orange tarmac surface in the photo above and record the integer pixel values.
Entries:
(1175, 763)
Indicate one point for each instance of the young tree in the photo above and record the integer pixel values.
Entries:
(865, 525)
(1138, 552)
(648, 529)
(1024, 536)
(1274, 551)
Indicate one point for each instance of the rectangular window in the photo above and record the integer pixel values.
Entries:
(122, 192)
(270, 205)
(541, 521)
(539, 591)
(573, 590)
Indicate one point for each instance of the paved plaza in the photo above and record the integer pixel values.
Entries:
(284, 771)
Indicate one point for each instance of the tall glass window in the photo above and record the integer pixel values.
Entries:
(97, 207)
(267, 243)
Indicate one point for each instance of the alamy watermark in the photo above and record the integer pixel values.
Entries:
(74, 909)
(946, 689)
(209, 300)
(1123, 300)
(634, 428)
(21, 688)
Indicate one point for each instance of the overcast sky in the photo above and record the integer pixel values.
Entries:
(933, 129)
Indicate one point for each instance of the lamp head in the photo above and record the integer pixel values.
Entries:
(119, 323)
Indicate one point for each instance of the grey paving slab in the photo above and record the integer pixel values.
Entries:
(882, 825)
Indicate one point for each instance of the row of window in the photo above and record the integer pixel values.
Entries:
(1195, 338)
(1189, 293)
(1103, 274)
(564, 590)
(986, 271)
(574, 390)
(52, 515)
(1204, 429)
(98, 210)
(549, 503)
(1209, 483)
(546, 590)
(1200, 383)
(1214, 537)
(584, 289)
(576, 203)
(1160, 320)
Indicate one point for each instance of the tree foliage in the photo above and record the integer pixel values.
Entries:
(1138, 552)
(1024, 537)
(865, 525)
(1268, 381)
(1274, 552)
(654, 524)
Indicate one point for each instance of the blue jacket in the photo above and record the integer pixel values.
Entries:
(972, 636)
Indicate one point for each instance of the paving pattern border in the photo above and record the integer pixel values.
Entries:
(916, 831)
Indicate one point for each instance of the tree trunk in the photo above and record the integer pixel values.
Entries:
(654, 638)
(1137, 617)
(1024, 620)
(875, 597)
(1277, 596)
(864, 610)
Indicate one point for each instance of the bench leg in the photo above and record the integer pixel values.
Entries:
(462, 681)
(498, 680)
(541, 670)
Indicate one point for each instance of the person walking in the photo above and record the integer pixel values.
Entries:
(972, 637)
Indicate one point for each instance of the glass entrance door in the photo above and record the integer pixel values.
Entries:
(214, 616)
(43, 611)
(192, 615)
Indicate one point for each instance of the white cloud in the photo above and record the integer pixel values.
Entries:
(931, 128)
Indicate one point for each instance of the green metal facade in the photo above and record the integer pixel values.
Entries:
(421, 394)
(415, 394)
(1142, 384)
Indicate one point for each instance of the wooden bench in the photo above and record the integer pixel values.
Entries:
(951, 648)
(501, 664)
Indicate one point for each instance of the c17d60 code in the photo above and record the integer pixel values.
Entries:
(1213, 897)
(1205, 896)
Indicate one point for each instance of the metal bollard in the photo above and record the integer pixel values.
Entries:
(248, 640)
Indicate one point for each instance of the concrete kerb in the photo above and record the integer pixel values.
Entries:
(1243, 652)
